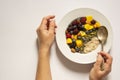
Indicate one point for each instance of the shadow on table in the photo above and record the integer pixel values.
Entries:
(83, 68)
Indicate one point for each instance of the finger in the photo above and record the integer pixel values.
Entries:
(99, 60)
(108, 57)
(46, 19)
(45, 22)
(108, 68)
(55, 28)
(52, 26)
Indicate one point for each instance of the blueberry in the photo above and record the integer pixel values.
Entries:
(74, 27)
(87, 32)
(84, 39)
(90, 30)
(72, 45)
(79, 37)
(82, 28)
(77, 49)
(79, 26)
(71, 32)
(73, 40)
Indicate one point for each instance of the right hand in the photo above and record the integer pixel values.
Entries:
(96, 73)
(46, 32)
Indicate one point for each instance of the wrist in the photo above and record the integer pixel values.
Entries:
(43, 52)
(44, 46)
(95, 78)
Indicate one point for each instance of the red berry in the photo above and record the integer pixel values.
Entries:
(75, 31)
(68, 35)
(83, 20)
(74, 22)
(93, 22)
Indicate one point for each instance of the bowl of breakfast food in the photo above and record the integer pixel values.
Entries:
(76, 35)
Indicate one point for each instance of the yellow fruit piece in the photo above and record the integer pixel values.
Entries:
(79, 43)
(74, 37)
(88, 26)
(89, 19)
(82, 33)
(88, 22)
(79, 34)
(69, 40)
(91, 27)
(97, 25)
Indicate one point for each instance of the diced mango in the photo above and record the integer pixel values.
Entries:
(82, 33)
(97, 25)
(91, 27)
(79, 43)
(88, 27)
(69, 40)
(79, 33)
(74, 37)
(89, 19)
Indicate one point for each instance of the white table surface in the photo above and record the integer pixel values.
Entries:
(18, 51)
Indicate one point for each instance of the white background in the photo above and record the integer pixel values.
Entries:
(18, 51)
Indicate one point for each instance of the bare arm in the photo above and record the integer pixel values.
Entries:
(43, 70)
(46, 33)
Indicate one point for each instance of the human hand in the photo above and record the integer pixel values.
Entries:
(46, 32)
(102, 67)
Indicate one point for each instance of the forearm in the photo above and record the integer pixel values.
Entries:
(43, 70)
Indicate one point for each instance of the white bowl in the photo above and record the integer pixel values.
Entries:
(61, 37)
